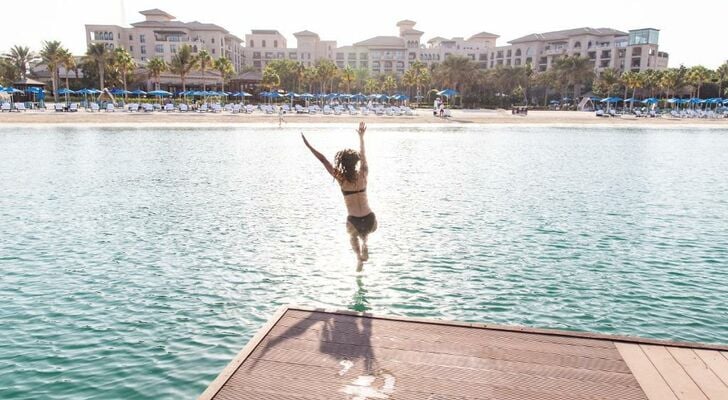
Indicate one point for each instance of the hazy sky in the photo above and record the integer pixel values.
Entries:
(692, 32)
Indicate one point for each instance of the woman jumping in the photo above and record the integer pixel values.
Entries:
(361, 220)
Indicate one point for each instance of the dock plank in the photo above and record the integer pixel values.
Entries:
(702, 375)
(305, 354)
(680, 382)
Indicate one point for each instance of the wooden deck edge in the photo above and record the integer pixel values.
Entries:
(520, 329)
(214, 387)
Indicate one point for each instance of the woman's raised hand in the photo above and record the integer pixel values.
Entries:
(362, 128)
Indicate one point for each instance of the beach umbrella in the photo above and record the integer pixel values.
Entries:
(65, 91)
(447, 93)
(159, 93)
(554, 102)
(650, 100)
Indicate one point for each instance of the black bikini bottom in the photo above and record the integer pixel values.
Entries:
(364, 225)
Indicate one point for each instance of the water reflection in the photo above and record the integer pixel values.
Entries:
(359, 301)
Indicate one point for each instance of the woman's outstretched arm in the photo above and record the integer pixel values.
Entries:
(362, 153)
(321, 157)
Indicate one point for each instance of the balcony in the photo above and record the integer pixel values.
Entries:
(552, 51)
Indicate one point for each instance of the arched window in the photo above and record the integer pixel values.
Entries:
(577, 45)
(529, 51)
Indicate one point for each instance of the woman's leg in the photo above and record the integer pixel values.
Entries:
(354, 239)
(364, 248)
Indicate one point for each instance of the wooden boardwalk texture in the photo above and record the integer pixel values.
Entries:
(314, 354)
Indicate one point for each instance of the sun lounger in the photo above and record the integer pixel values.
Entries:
(169, 107)
(235, 109)
(300, 109)
(110, 107)
(203, 108)
(73, 107)
(20, 107)
(147, 107)
(216, 108)
(94, 107)
(58, 107)
(133, 107)
(183, 107)
(5, 107)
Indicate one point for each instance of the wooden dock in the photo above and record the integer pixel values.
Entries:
(308, 354)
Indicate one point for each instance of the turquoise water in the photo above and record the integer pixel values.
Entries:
(135, 263)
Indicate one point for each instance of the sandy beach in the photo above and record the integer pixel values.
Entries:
(423, 116)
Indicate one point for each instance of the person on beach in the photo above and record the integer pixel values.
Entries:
(353, 182)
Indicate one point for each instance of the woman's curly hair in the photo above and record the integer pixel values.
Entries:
(345, 164)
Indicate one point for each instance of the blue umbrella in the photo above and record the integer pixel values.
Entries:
(117, 92)
(12, 90)
(65, 91)
(554, 102)
(138, 92)
(631, 100)
(650, 100)
(159, 93)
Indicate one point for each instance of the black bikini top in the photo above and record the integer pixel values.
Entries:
(348, 192)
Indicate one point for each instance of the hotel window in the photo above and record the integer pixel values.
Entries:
(142, 39)
(131, 49)
(387, 66)
(213, 40)
(340, 64)
(131, 38)
(592, 55)
(606, 54)
(292, 55)
(577, 45)
(508, 61)
(159, 48)
(118, 36)
(529, 60)
(364, 64)
(500, 54)
(351, 56)
(264, 43)
(339, 56)
(471, 56)
(252, 44)
(275, 44)
(213, 51)
(173, 48)
(482, 57)
(376, 65)
(281, 55)
(143, 49)
(363, 56)
(518, 52)
(144, 59)
(256, 64)
(517, 61)
(508, 53)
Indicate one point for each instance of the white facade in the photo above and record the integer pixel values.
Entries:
(160, 35)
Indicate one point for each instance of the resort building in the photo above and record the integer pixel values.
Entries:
(605, 48)
(161, 35)
(635, 50)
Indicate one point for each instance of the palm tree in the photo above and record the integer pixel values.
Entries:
(347, 74)
(417, 75)
(651, 80)
(182, 63)
(371, 86)
(69, 63)
(53, 55)
(124, 63)
(633, 80)
(389, 84)
(156, 66)
(21, 58)
(326, 71)
(608, 81)
(225, 67)
(454, 72)
(696, 76)
(668, 81)
(547, 80)
(205, 60)
(574, 71)
(99, 55)
(270, 79)
(721, 74)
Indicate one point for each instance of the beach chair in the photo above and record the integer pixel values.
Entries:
(147, 107)
(249, 108)
(328, 110)
(58, 107)
(203, 108)
(110, 107)
(352, 110)
(312, 110)
(183, 107)
(338, 110)
(235, 109)
(94, 107)
(5, 107)
(638, 113)
(365, 110)
(133, 107)
(300, 109)
(169, 107)
(216, 108)
(613, 113)
(20, 107)
(73, 107)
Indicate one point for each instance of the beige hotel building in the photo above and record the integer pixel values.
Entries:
(160, 35)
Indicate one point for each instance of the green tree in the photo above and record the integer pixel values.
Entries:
(224, 66)
(721, 75)
(574, 71)
(8, 72)
(204, 60)
(455, 72)
(326, 71)
(52, 55)
(124, 65)
(651, 80)
(21, 58)
(389, 84)
(607, 82)
(417, 75)
(371, 86)
(547, 80)
(696, 76)
(270, 78)
(632, 80)
(156, 66)
(69, 63)
(182, 63)
(348, 76)
(98, 54)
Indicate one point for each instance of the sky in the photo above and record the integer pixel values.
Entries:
(692, 33)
